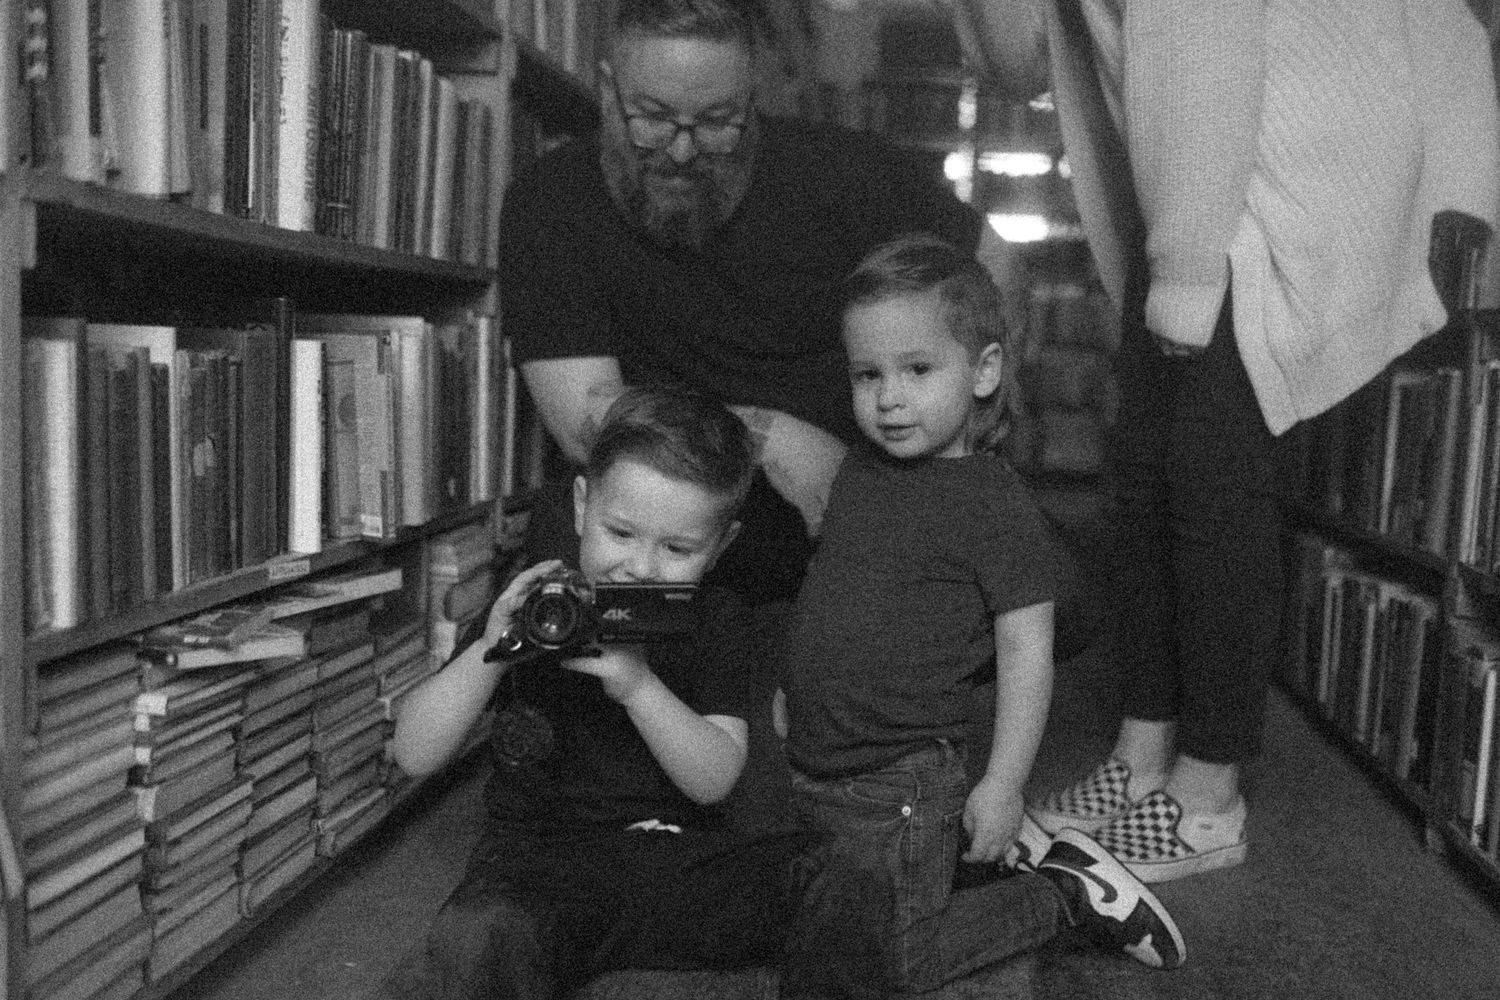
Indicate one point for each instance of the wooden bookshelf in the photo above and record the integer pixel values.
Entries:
(72, 247)
(1467, 596)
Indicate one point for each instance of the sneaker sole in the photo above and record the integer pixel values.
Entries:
(1197, 864)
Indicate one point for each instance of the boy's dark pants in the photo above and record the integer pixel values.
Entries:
(537, 916)
(892, 839)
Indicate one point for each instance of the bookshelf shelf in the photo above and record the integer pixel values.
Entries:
(71, 213)
(45, 646)
(434, 19)
(1389, 554)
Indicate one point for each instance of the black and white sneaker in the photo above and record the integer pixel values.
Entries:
(1110, 905)
(1032, 844)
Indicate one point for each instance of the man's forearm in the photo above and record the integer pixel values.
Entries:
(571, 395)
(799, 459)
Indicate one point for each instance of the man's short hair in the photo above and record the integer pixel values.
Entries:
(717, 20)
(682, 434)
(973, 310)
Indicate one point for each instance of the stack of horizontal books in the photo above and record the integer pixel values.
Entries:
(188, 787)
(82, 838)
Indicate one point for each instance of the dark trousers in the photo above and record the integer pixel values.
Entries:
(882, 915)
(1197, 576)
(537, 916)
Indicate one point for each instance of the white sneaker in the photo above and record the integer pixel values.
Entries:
(1100, 797)
(1031, 845)
(1158, 842)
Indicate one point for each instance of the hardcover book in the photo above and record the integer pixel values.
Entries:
(109, 916)
(43, 920)
(275, 840)
(53, 448)
(194, 644)
(277, 875)
(258, 743)
(106, 963)
(171, 949)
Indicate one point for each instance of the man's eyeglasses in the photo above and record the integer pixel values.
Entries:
(713, 136)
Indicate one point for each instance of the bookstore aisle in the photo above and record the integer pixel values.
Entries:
(1338, 900)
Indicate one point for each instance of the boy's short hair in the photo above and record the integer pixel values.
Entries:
(682, 434)
(973, 311)
(717, 20)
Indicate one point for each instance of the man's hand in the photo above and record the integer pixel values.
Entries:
(992, 818)
(799, 459)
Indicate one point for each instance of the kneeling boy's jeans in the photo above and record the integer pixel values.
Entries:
(898, 833)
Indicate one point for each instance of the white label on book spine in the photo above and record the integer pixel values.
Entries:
(287, 569)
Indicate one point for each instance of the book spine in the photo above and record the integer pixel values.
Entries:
(137, 64)
(306, 484)
(300, 52)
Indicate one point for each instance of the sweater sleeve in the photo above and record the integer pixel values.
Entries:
(1194, 72)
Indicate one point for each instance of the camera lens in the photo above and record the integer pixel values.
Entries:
(553, 618)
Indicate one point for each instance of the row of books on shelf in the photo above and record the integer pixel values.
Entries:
(566, 31)
(1405, 458)
(156, 457)
(1367, 651)
(262, 109)
(172, 786)
(1470, 714)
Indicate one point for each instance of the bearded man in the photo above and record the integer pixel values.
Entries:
(696, 240)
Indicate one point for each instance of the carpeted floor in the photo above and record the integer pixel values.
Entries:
(1338, 900)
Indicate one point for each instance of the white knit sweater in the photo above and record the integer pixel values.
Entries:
(1301, 145)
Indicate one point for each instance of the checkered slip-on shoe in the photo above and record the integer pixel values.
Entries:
(1157, 842)
(1109, 905)
(1089, 803)
(1030, 846)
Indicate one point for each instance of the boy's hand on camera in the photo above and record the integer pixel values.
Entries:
(511, 599)
(620, 668)
(992, 818)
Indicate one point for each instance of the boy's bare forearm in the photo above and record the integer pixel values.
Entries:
(1023, 692)
(700, 755)
(436, 717)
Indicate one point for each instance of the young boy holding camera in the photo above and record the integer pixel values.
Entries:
(603, 849)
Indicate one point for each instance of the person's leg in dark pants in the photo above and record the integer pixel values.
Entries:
(490, 942)
(1197, 573)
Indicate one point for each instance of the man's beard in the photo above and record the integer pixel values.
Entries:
(675, 205)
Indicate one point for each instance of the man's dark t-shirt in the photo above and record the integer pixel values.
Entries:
(753, 318)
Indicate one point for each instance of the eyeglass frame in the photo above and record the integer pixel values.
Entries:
(680, 126)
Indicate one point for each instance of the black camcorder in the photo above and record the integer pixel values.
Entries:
(564, 613)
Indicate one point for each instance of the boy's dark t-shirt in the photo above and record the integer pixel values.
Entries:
(600, 771)
(893, 635)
